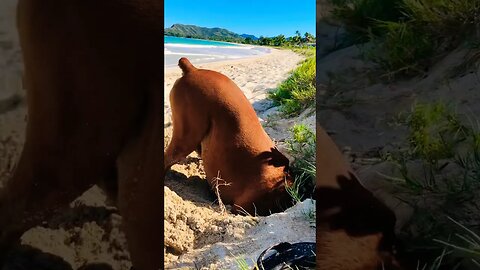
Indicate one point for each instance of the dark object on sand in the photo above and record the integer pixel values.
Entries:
(288, 256)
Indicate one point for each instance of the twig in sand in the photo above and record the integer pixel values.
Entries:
(217, 181)
(245, 211)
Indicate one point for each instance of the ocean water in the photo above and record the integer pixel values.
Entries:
(203, 51)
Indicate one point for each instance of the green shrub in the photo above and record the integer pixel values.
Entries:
(435, 134)
(298, 91)
(305, 51)
(402, 50)
(435, 131)
(359, 16)
(302, 146)
(445, 18)
(409, 34)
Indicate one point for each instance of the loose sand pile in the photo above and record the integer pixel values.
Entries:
(238, 238)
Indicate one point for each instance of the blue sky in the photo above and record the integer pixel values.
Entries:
(261, 17)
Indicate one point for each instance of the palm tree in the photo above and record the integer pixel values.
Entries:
(309, 38)
(279, 40)
(261, 40)
(265, 41)
(297, 39)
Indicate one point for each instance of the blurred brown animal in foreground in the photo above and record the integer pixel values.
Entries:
(355, 230)
(94, 93)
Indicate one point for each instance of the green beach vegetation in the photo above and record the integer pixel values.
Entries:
(302, 146)
(297, 92)
(280, 41)
(409, 35)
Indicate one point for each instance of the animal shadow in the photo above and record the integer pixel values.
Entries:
(26, 257)
(359, 213)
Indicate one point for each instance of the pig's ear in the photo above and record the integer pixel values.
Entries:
(280, 156)
(278, 159)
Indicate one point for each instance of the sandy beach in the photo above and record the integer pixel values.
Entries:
(197, 233)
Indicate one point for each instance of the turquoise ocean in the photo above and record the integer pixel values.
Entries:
(203, 51)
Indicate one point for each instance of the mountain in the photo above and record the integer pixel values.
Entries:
(249, 36)
(193, 31)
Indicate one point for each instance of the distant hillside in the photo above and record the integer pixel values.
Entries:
(249, 36)
(193, 31)
(220, 34)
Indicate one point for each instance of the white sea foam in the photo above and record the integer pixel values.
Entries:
(187, 54)
(239, 47)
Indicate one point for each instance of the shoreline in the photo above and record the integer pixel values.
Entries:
(215, 64)
(217, 60)
(204, 53)
(211, 40)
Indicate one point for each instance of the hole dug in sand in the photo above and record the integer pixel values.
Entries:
(199, 235)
